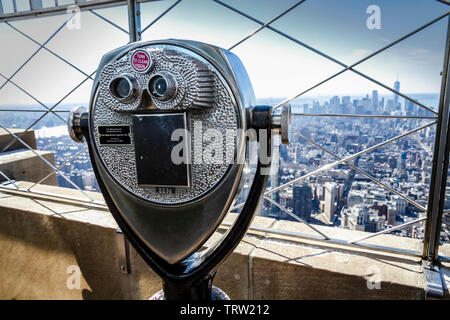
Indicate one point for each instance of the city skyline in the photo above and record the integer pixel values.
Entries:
(340, 196)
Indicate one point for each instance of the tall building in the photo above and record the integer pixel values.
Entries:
(274, 181)
(396, 88)
(399, 163)
(334, 104)
(375, 101)
(371, 225)
(381, 105)
(410, 108)
(390, 106)
(367, 104)
(302, 201)
(330, 200)
(284, 153)
(401, 205)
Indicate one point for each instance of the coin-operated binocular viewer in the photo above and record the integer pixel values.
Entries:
(167, 131)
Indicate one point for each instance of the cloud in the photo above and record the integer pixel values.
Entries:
(358, 54)
(419, 51)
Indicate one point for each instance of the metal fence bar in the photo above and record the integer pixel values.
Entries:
(59, 167)
(9, 180)
(333, 164)
(330, 241)
(55, 196)
(32, 97)
(293, 215)
(368, 57)
(350, 157)
(321, 54)
(108, 21)
(39, 49)
(160, 16)
(279, 32)
(62, 9)
(251, 34)
(102, 206)
(399, 227)
(363, 173)
(382, 116)
(47, 162)
(134, 20)
(40, 118)
(293, 114)
(31, 110)
(44, 160)
(48, 50)
(50, 110)
(440, 165)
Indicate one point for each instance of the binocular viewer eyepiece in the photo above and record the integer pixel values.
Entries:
(168, 135)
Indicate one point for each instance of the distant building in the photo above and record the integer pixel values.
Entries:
(371, 226)
(399, 163)
(375, 101)
(396, 88)
(302, 201)
(330, 200)
(382, 209)
(363, 218)
(400, 205)
(410, 108)
(390, 106)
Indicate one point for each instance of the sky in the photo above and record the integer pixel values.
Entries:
(278, 67)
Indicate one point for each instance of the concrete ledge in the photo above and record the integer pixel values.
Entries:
(23, 164)
(43, 245)
(28, 137)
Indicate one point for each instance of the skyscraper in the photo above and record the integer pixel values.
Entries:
(374, 101)
(273, 182)
(302, 201)
(330, 198)
(410, 108)
(334, 104)
(399, 163)
(396, 88)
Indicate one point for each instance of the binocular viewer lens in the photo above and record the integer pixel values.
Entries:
(162, 86)
(124, 88)
(121, 88)
(158, 86)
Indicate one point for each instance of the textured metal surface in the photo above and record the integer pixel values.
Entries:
(123, 252)
(200, 86)
(170, 226)
(73, 124)
(281, 122)
(434, 287)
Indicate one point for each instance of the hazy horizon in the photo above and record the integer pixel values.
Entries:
(274, 98)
